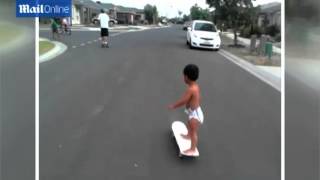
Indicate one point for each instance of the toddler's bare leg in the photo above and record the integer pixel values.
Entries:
(187, 136)
(194, 124)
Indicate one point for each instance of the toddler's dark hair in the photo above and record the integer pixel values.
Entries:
(191, 71)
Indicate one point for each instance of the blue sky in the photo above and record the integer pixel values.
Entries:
(170, 8)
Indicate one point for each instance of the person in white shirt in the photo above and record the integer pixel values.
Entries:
(104, 24)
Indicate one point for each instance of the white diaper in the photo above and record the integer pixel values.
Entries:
(195, 114)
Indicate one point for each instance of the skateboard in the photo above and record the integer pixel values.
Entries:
(179, 128)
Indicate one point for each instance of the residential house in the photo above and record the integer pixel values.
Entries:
(83, 11)
(270, 14)
(140, 17)
(124, 15)
(109, 8)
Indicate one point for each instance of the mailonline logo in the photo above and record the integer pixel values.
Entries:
(40, 9)
(43, 8)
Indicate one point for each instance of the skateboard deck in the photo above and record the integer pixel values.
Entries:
(179, 128)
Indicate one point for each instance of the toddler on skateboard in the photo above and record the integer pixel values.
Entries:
(191, 99)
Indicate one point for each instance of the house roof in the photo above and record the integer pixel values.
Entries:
(127, 9)
(88, 3)
(107, 5)
(94, 5)
(120, 8)
(270, 8)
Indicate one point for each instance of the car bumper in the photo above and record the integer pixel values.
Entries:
(212, 44)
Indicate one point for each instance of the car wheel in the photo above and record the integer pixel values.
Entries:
(190, 44)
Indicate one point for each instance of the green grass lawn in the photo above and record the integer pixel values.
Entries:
(8, 33)
(45, 46)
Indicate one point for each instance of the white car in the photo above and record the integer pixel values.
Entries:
(203, 34)
(112, 22)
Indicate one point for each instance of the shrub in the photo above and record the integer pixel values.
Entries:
(250, 30)
(278, 37)
(272, 30)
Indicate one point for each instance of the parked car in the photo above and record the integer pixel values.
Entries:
(203, 34)
(95, 21)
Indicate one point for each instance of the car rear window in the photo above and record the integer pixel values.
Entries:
(205, 27)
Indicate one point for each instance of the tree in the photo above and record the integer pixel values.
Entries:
(185, 18)
(198, 13)
(179, 12)
(148, 11)
(151, 13)
(155, 14)
(234, 13)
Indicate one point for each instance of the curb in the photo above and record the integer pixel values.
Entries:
(261, 74)
(58, 49)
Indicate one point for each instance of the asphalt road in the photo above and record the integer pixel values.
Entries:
(17, 105)
(76, 39)
(103, 113)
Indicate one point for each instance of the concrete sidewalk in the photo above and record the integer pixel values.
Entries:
(246, 41)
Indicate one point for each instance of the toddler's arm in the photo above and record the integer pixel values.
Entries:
(183, 100)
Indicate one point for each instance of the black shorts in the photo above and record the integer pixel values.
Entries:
(104, 32)
(54, 30)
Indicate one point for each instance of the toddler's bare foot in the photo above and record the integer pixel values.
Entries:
(189, 151)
